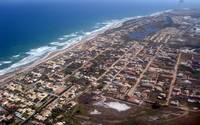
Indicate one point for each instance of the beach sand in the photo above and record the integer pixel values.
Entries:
(9, 76)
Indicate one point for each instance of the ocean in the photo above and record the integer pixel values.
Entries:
(29, 30)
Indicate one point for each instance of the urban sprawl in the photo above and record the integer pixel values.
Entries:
(145, 71)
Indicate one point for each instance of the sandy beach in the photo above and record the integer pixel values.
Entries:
(10, 75)
(6, 77)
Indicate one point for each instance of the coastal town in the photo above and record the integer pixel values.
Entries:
(146, 70)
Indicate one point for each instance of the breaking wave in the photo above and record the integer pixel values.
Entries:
(6, 62)
(62, 42)
(15, 56)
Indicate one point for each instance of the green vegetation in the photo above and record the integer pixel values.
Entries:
(185, 68)
(82, 81)
(156, 105)
(100, 86)
(139, 116)
(196, 74)
(71, 68)
(58, 114)
(78, 110)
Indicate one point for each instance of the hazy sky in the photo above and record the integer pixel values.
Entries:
(185, 2)
(99, 0)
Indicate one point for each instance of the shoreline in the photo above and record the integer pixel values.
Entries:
(28, 67)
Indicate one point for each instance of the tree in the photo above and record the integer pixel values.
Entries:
(156, 105)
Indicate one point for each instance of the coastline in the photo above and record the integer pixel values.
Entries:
(28, 67)
(7, 76)
(111, 69)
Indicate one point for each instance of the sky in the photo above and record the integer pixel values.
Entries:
(132, 1)
(96, 0)
(196, 3)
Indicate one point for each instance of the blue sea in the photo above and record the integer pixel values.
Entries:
(29, 29)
